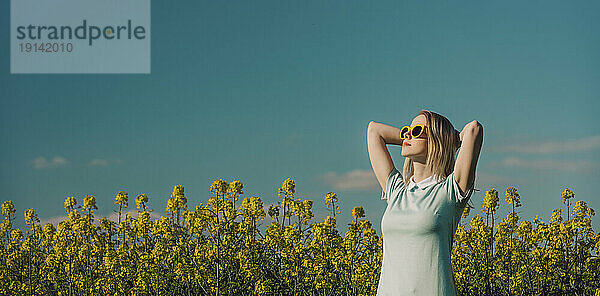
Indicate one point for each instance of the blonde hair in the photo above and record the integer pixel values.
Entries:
(443, 142)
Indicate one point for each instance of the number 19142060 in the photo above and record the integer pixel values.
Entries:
(46, 47)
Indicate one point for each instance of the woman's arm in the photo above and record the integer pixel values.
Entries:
(378, 135)
(471, 138)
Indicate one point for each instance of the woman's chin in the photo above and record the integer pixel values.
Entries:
(408, 155)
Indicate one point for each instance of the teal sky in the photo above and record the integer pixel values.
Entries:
(261, 92)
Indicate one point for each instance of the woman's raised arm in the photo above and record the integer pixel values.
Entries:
(466, 162)
(378, 135)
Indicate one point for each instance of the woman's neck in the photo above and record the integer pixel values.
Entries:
(421, 172)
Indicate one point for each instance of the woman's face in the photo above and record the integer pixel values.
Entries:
(416, 148)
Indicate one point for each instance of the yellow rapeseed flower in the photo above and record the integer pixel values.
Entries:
(70, 203)
(219, 186)
(358, 212)
(330, 201)
(235, 187)
(122, 199)
(490, 201)
(566, 195)
(30, 216)
(16, 234)
(141, 200)
(512, 197)
(8, 208)
(289, 186)
(89, 203)
(466, 211)
(273, 211)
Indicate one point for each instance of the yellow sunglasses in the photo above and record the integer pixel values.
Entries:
(415, 131)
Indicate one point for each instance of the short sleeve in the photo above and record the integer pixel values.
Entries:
(393, 185)
(455, 192)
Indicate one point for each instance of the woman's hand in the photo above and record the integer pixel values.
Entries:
(468, 126)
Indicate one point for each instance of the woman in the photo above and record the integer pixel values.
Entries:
(424, 202)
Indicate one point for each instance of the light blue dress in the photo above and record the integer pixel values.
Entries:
(418, 231)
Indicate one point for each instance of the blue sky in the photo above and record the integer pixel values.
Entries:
(261, 92)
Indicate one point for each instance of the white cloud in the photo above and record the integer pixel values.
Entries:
(352, 180)
(114, 216)
(553, 164)
(578, 145)
(53, 220)
(42, 163)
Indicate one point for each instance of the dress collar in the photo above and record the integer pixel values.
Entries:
(423, 184)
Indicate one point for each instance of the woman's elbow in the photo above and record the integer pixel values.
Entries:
(372, 125)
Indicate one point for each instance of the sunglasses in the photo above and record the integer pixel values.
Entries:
(415, 131)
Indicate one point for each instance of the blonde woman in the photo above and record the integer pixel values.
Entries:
(424, 202)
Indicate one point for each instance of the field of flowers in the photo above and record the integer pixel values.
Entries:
(218, 249)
